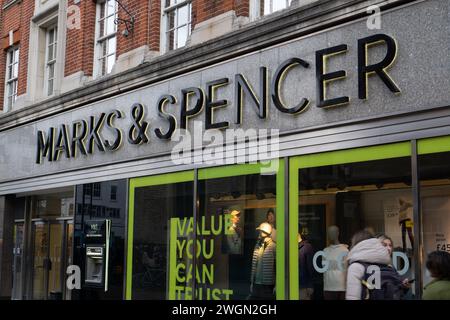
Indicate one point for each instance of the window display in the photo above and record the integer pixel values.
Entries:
(163, 240)
(245, 254)
(341, 198)
(434, 173)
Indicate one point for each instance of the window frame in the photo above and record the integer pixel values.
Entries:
(275, 166)
(50, 63)
(344, 156)
(14, 80)
(102, 40)
(257, 10)
(165, 22)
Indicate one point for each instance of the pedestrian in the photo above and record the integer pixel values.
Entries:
(438, 264)
(365, 250)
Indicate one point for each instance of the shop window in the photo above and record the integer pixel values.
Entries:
(228, 253)
(240, 260)
(106, 40)
(434, 173)
(12, 74)
(50, 59)
(337, 201)
(159, 212)
(59, 204)
(176, 17)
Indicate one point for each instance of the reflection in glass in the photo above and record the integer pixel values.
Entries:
(161, 213)
(339, 200)
(240, 233)
(434, 173)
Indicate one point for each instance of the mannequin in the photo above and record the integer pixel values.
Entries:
(234, 237)
(334, 278)
(405, 221)
(263, 265)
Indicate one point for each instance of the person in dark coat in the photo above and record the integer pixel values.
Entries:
(306, 274)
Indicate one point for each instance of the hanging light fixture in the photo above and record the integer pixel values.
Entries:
(129, 23)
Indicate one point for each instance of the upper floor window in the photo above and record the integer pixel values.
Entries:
(176, 23)
(12, 73)
(106, 36)
(50, 58)
(261, 8)
(271, 6)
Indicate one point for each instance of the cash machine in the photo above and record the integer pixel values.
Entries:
(97, 237)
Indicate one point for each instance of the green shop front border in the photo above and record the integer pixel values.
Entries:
(272, 167)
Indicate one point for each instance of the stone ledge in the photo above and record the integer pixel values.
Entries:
(317, 16)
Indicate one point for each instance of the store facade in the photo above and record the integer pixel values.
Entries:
(299, 125)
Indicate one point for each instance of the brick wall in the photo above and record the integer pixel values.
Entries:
(140, 36)
(80, 42)
(15, 18)
(203, 10)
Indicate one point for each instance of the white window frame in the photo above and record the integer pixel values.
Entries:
(50, 63)
(256, 8)
(100, 40)
(165, 31)
(12, 81)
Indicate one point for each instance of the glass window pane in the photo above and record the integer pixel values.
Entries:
(50, 56)
(171, 40)
(434, 173)
(111, 61)
(15, 83)
(183, 15)
(10, 89)
(111, 7)
(171, 19)
(111, 45)
(50, 87)
(51, 71)
(267, 6)
(51, 33)
(237, 216)
(337, 202)
(102, 28)
(278, 5)
(102, 10)
(182, 34)
(15, 72)
(10, 72)
(162, 233)
(10, 57)
(110, 25)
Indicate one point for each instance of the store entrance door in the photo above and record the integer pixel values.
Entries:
(51, 249)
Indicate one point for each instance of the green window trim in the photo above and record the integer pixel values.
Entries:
(277, 167)
(272, 167)
(237, 170)
(394, 150)
(433, 145)
(168, 178)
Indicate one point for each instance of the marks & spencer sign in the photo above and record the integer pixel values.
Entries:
(176, 109)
